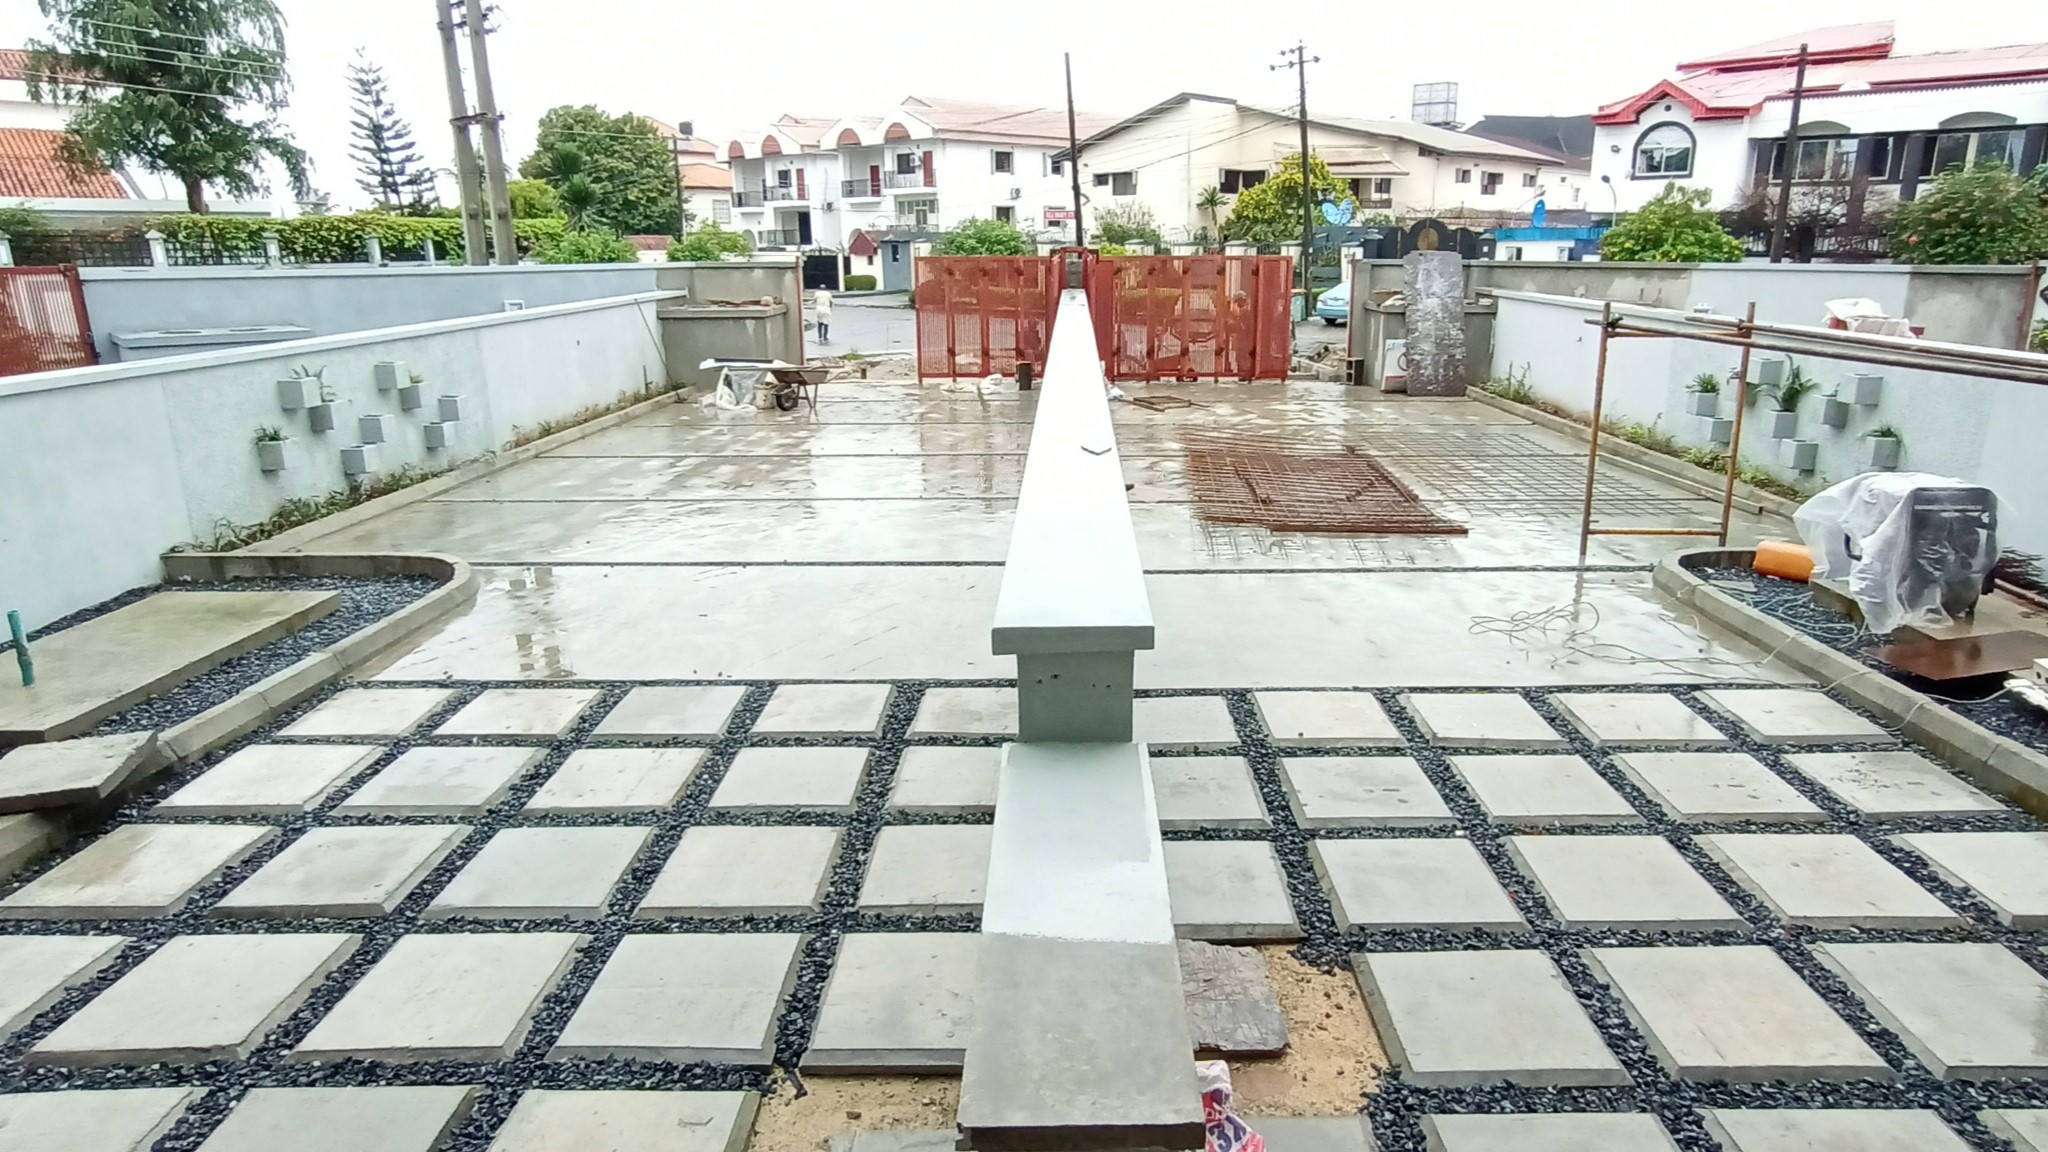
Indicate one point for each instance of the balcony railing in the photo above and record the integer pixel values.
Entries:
(778, 237)
(907, 180)
(746, 198)
(779, 192)
(867, 188)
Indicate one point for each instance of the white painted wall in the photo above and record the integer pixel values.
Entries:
(18, 111)
(127, 460)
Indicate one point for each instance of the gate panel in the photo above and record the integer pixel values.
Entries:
(43, 324)
(982, 315)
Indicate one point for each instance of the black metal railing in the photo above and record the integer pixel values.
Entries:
(866, 188)
(778, 237)
(746, 198)
(779, 192)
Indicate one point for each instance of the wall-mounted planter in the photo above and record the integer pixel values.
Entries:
(270, 455)
(1783, 424)
(359, 459)
(1720, 431)
(296, 393)
(1834, 413)
(1884, 452)
(451, 409)
(410, 397)
(1862, 388)
(320, 416)
(1703, 403)
(390, 374)
(1798, 455)
(1767, 370)
(373, 428)
(438, 435)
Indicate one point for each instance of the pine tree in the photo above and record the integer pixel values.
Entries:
(392, 170)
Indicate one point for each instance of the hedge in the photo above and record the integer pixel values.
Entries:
(860, 283)
(339, 239)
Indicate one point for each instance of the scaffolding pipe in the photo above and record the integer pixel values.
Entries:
(1735, 434)
(1983, 370)
(1593, 450)
(1934, 350)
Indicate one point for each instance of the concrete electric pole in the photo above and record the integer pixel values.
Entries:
(1300, 65)
(507, 248)
(1791, 162)
(465, 154)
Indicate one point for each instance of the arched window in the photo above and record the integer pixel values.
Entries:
(1664, 151)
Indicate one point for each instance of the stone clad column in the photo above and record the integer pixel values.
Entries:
(1435, 288)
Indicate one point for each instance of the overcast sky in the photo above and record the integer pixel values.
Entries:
(733, 64)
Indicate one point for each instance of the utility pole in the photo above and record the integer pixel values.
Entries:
(494, 150)
(465, 154)
(1791, 162)
(1073, 147)
(675, 161)
(1300, 65)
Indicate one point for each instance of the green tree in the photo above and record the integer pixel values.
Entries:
(192, 88)
(975, 237)
(392, 171)
(532, 199)
(612, 172)
(709, 243)
(1980, 215)
(1675, 227)
(1210, 204)
(1123, 224)
(1271, 212)
(591, 247)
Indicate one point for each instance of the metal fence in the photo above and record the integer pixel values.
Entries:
(983, 315)
(43, 323)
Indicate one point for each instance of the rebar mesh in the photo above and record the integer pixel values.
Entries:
(1285, 486)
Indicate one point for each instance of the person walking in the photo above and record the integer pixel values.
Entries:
(821, 306)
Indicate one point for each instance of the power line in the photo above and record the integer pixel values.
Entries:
(200, 65)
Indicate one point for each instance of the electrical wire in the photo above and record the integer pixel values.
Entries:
(203, 66)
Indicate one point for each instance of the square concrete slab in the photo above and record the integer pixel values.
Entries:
(531, 873)
(1536, 790)
(941, 779)
(764, 778)
(82, 770)
(1481, 720)
(1733, 1014)
(26, 837)
(1547, 1132)
(1826, 881)
(2007, 870)
(1361, 791)
(1379, 884)
(656, 713)
(135, 871)
(2027, 1128)
(824, 710)
(1228, 890)
(1621, 882)
(738, 871)
(448, 996)
(1445, 1019)
(1182, 723)
(1791, 716)
(966, 712)
(540, 712)
(595, 780)
(548, 1121)
(1231, 1007)
(370, 712)
(197, 998)
(1637, 718)
(1326, 718)
(270, 780)
(1206, 792)
(1830, 1130)
(36, 970)
(1715, 786)
(685, 998)
(441, 782)
(120, 1120)
(1893, 784)
(897, 1002)
(343, 872)
(927, 869)
(1968, 1011)
(393, 1119)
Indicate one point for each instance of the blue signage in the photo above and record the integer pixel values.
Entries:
(1337, 212)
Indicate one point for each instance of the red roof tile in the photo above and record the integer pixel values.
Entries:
(13, 64)
(29, 167)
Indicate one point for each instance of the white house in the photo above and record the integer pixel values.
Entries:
(1167, 156)
(784, 185)
(1871, 122)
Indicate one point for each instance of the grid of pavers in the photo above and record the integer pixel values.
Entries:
(432, 904)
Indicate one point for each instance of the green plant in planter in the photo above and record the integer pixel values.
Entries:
(1795, 388)
(1885, 432)
(1707, 383)
(268, 436)
(414, 378)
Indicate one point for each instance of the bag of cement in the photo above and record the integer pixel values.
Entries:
(1227, 1132)
(1908, 547)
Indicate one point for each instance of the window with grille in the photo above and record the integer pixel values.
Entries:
(1234, 180)
(1464, 176)
(1123, 183)
(1489, 182)
(1004, 161)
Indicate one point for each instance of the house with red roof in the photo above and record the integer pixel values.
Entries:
(1874, 123)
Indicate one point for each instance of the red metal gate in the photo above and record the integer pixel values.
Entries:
(1156, 317)
(43, 323)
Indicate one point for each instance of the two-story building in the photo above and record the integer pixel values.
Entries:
(1873, 124)
(1169, 155)
(784, 185)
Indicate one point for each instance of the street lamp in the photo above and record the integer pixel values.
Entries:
(1612, 194)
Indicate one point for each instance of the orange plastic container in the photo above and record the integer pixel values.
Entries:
(1785, 559)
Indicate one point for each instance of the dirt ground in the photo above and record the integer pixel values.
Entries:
(838, 1104)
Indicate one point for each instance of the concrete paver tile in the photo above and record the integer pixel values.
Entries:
(653, 712)
(1547, 1132)
(944, 779)
(927, 869)
(527, 873)
(105, 1120)
(1231, 1006)
(1228, 890)
(343, 872)
(1637, 718)
(36, 970)
(1893, 784)
(378, 712)
(434, 781)
(2007, 870)
(1440, 1015)
(1828, 1129)
(62, 773)
(966, 712)
(520, 712)
(1968, 1011)
(1535, 790)
(384, 1119)
(1326, 718)
(1621, 882)
(1413, 883)
(1826, 881)
(1481, 720)
(824, 710)
(1713, 786)
(195, 999)
(594, 780)
(685, 998)
(1735, 1013)
(763, 778)
(443, 996)
(1791, 716)
(135, 871)
(718, 870)
(2027, 1128)
(1206, 792)
(270, 780)
(1355, 791)
(897, 1002)
(628, 1121)
(1317, 1133)
(1182, 723)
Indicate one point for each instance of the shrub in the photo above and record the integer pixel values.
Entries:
(339, 239)
(973, 237)
(1980, 215)
(1121, 224)
(1110, 248)
(709, 243)
(860, 283)
(1675, 227)
(533, 198)
(1271, 211)
(587, 248)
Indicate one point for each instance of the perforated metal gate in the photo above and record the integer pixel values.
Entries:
(43, 323)
(1156, 317)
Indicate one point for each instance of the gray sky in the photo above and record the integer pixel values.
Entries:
(732, 64)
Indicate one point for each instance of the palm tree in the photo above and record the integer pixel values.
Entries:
(1210, 202)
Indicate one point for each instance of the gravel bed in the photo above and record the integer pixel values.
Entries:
(1791, 603)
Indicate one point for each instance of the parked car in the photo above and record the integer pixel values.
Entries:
(1334, 306)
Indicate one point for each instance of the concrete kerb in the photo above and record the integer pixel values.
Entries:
(1994, 762)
